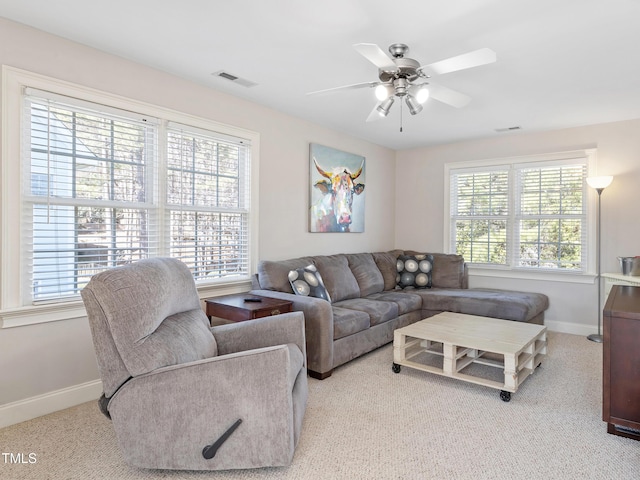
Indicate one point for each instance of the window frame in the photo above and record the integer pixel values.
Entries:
(16, 307)
(512, 163)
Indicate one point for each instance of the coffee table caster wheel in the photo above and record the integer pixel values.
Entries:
(505, 396)
(396, 368)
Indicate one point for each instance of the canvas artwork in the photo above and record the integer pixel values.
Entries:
(336, 190)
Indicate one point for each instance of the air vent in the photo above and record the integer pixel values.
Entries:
(234, 78)
(508, 129)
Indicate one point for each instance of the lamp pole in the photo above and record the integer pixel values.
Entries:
(598, 337)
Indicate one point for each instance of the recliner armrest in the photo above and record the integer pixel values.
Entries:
(260, 333)
(165, 418)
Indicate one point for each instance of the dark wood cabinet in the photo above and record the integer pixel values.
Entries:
(621, 362)
(239, 307)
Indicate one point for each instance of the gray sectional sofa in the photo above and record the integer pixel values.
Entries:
(366, 305)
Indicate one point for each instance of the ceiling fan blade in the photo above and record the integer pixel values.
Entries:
(345, 87)
(374, 115)
(376, 55)
(448, 96)
(460, 62)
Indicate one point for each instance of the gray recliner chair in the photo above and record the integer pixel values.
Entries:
(183, 395)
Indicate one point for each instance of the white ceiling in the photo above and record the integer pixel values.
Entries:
(561, 63)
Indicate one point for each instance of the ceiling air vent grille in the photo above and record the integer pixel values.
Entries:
(508, 129)
(234, 78)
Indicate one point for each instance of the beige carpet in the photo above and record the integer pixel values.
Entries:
(366, 422)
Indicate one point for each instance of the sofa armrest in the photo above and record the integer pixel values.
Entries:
(262, 332)
(318, 320)
(465, 276)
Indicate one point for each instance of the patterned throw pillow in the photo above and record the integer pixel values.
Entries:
(414, 271)
(308, 282)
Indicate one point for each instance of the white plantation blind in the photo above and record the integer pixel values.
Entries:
(521, 215)
(480, 215)
(551, 216)
(208, 202)
(88, 192)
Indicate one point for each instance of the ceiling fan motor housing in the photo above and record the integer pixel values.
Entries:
(405, 68)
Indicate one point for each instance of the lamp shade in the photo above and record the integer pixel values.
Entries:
(383, 108)
(414, 106)
(599, 182)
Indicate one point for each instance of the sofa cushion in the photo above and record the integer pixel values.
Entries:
(379, 311)
(367, 273)
(274, 275)
(386, 262)
(406, 301)
(509, 305)
(308, 282)
(347, 322)
(414, 271)
(337, 276)
(448, 269)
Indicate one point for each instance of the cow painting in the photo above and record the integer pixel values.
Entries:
(338, 186)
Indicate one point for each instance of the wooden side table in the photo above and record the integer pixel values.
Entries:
(236, 308)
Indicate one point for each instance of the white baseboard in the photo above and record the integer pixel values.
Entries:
(33, 407)
(569, 327)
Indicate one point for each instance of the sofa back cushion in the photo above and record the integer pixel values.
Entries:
(367, 273)
(387, 264)
(338, 277)
(448, 270)
(274, 275)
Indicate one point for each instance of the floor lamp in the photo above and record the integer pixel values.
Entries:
(599, 183)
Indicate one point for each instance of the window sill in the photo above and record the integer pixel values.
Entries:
(35, 314)
(543, 276)
(54, 312)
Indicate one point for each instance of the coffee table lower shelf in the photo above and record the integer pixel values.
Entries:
(518, 357)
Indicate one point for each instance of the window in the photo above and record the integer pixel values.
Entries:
(90, 202)
(208, 203)
(107, 181)
(528, 213)
(480, 215)
(550, 224)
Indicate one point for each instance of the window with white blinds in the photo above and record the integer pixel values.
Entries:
(99, 192)
(480, 215)
(521, 215)
(208, 202)
(88, 202)
(550, 224)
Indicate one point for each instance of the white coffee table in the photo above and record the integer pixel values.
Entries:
(458, 340)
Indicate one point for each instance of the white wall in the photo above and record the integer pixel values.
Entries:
(573, 306)
(52, 357)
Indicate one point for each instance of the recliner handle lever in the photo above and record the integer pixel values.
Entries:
(210, 451)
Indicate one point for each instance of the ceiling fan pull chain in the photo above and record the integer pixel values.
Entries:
(400, 117)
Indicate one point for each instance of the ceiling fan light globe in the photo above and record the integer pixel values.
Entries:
(422, 95)
(382, 92)
(414, 106)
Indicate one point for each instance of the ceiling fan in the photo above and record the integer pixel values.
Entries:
(403, 77)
